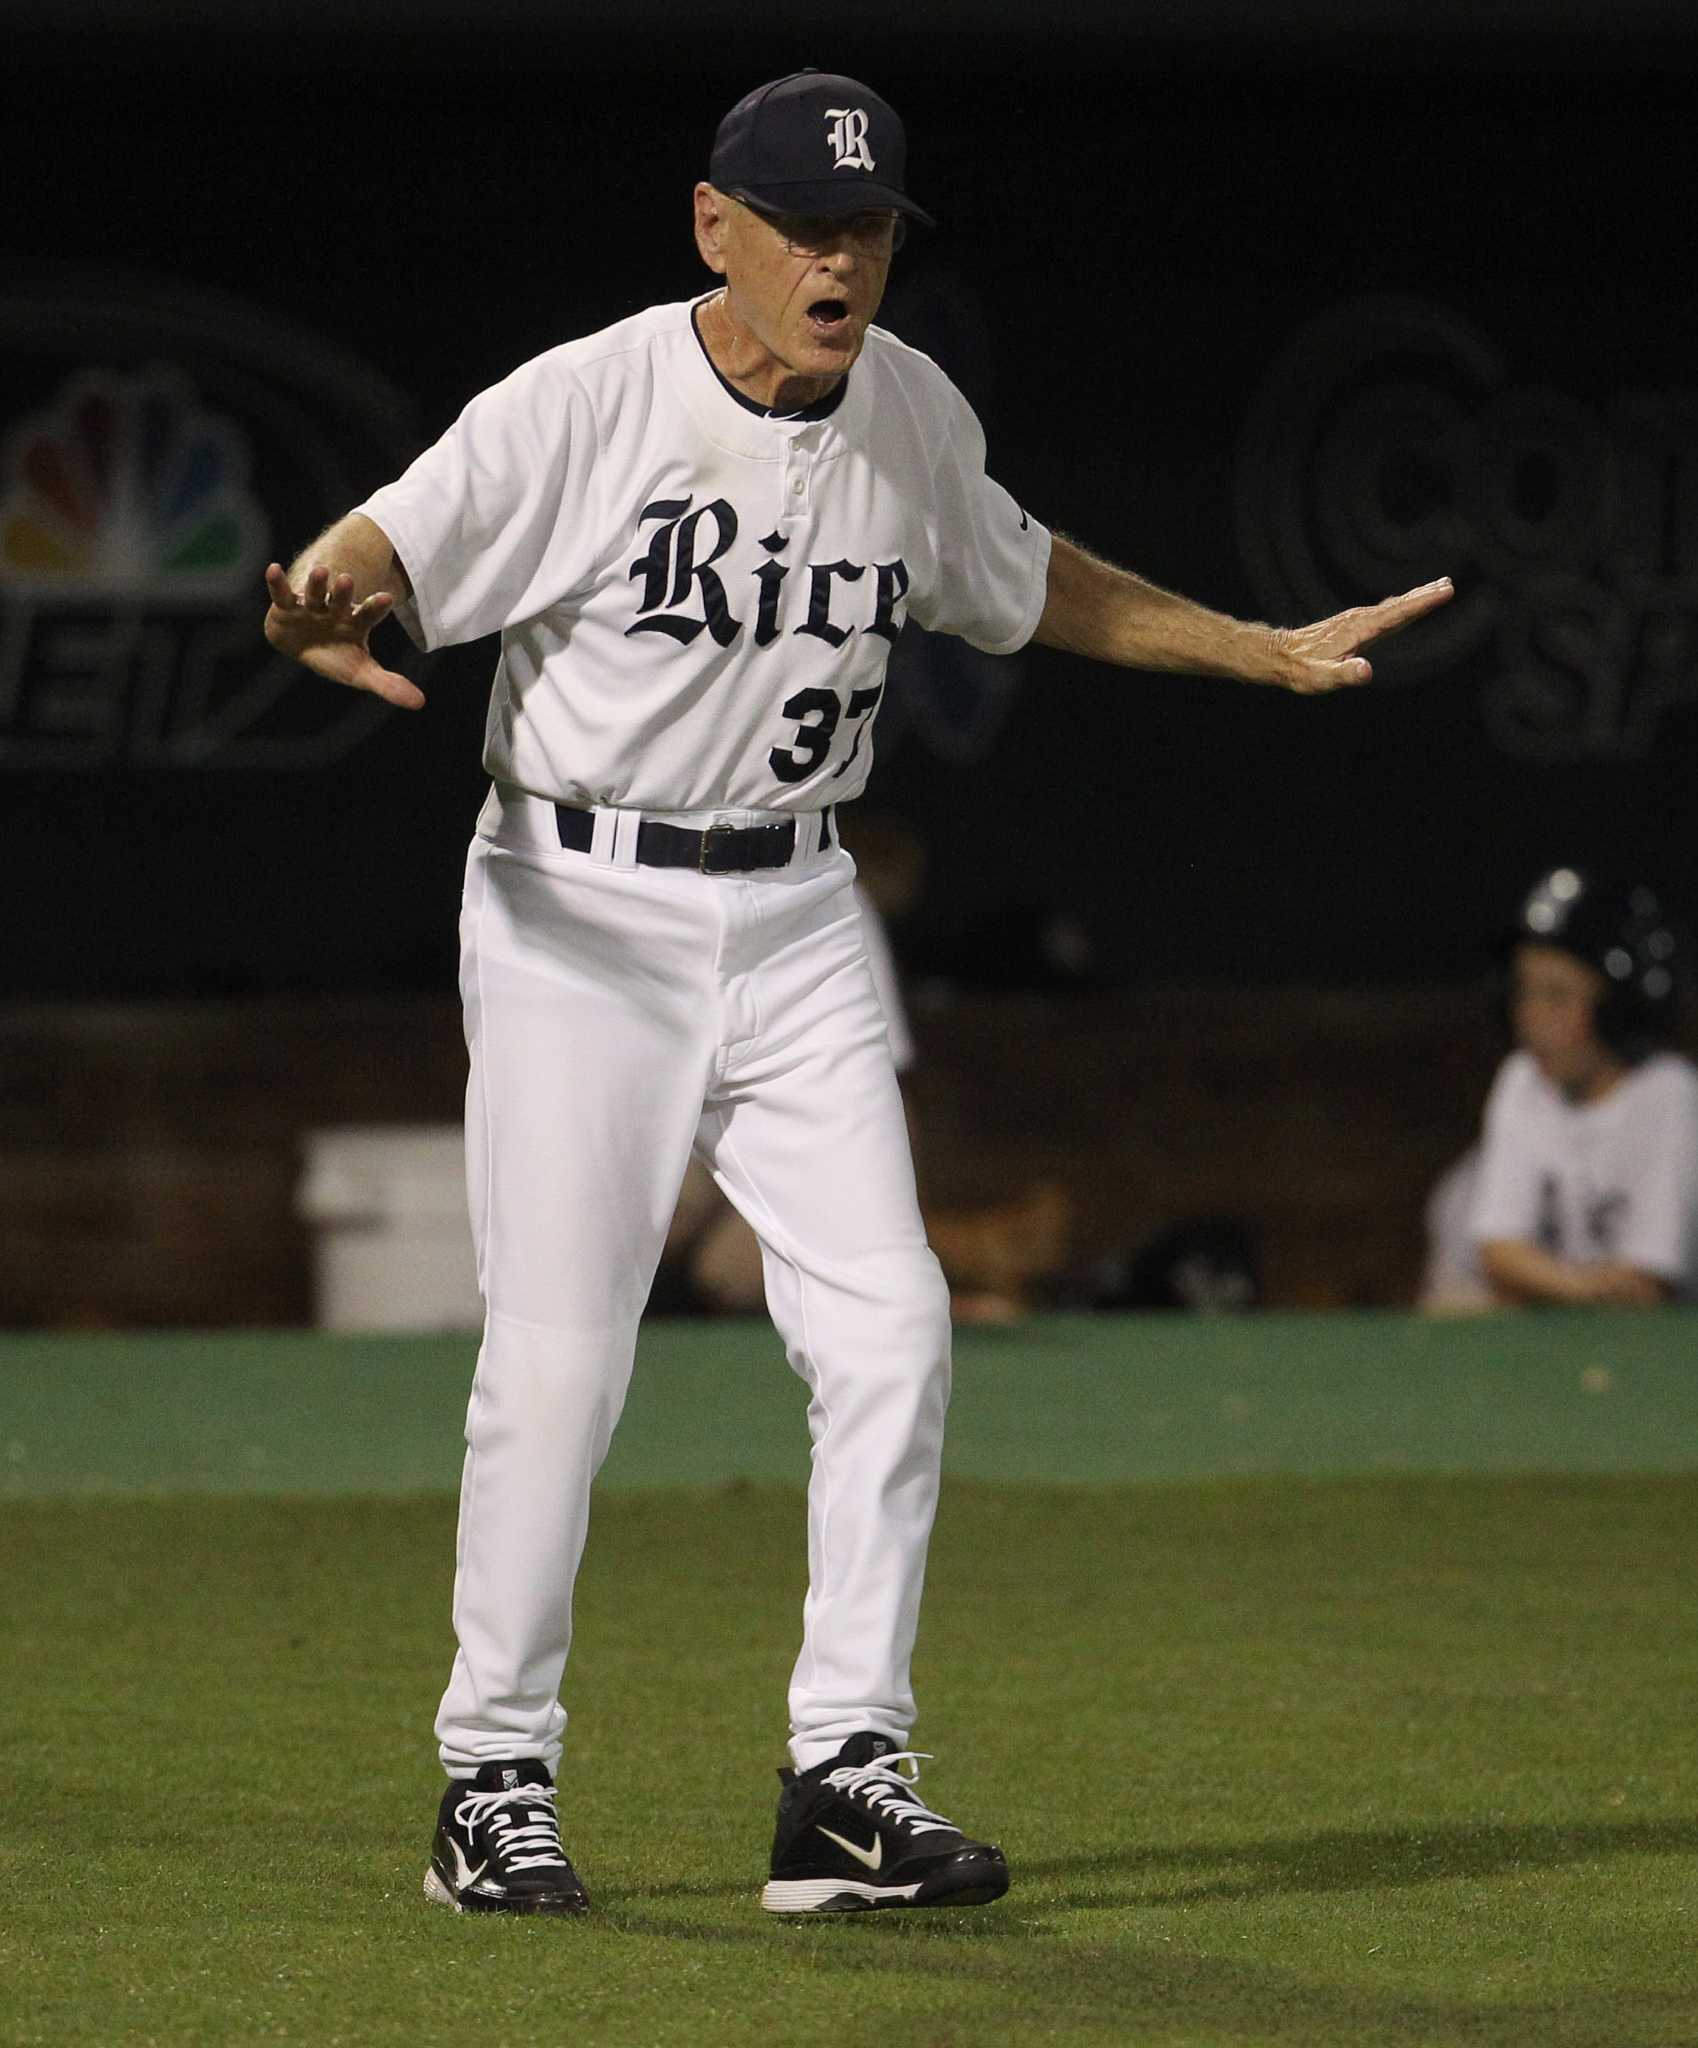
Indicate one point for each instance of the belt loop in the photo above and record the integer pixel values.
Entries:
(602, 824)
(623, 850)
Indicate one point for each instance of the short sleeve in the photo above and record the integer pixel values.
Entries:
(993, 557)
(489, 522)
(1506, 1192)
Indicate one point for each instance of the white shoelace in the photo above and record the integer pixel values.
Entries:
(886, 1791)
(521, 1845)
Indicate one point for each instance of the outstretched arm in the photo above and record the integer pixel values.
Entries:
(324, 607)
(1095, 609)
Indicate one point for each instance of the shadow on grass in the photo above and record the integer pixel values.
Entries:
(625, 1912)
(1005, 1967)
(1118, 1982)
(1333, 1861)
(1338, 1860)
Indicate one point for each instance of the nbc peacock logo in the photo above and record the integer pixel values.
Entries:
(158, 443)
(127, 487)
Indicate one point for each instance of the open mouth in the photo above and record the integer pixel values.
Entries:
(828, 316)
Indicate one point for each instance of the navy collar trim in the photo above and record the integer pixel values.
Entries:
(822, 408)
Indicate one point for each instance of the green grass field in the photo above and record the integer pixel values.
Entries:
(1398, 1760)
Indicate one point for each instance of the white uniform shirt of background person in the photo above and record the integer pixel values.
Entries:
(696, 601)
(1615, 1179)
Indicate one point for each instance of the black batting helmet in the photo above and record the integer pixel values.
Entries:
(1620, 929)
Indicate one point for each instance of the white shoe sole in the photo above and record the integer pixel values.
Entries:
(833, 1895)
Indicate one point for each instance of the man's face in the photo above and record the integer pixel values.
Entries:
(1556, 1001)
(805, 289)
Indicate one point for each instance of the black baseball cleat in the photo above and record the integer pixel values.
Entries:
(497, 1847)
(851, 1836)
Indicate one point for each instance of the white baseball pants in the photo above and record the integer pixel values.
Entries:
(616, 1017)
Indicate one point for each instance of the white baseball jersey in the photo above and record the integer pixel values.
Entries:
(1611, 1180)
(696, 599)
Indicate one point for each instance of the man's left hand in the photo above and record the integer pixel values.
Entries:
(1311, 659)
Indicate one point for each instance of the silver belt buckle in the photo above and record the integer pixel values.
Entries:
(702, 867)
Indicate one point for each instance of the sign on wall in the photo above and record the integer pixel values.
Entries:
(1391, 434)
(157, 448)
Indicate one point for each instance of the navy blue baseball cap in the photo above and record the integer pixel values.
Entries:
(814, 142)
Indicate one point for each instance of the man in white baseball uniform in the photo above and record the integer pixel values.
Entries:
(697, 534)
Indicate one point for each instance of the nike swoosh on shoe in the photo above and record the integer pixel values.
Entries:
(873, 1858)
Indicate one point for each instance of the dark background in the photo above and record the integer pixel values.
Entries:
(1188, 258)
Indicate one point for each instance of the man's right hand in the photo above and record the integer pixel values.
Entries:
(322, 627)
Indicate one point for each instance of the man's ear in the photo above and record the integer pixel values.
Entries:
(712, 221)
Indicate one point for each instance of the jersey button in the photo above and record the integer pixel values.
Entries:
(796, 486)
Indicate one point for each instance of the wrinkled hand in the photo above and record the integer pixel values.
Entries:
(1311, 659)
(322, 627)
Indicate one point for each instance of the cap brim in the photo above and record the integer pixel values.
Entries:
(830, 196)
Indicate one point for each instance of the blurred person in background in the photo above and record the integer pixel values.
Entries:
(1583, 1188)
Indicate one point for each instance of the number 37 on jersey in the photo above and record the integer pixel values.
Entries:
(682, 594)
